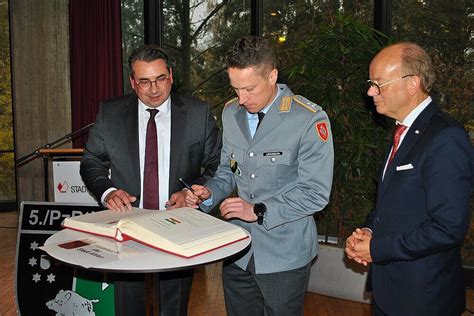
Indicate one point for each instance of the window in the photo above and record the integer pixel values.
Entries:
(132, 34)
(7, 158)
(289, 23)
(443, 28)
(324, 49)
(197, 37)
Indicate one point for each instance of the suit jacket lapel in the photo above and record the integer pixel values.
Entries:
(178, 123)
(411, 138)
(131, 125)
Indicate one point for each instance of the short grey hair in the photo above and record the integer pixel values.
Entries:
(416, 61)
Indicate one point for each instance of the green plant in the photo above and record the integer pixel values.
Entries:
(330, 69)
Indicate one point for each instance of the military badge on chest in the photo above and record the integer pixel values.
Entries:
(234, 166)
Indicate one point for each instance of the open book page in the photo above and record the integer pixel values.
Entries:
(184, 231)
(103, 223)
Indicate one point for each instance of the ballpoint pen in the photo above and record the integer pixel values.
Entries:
(187, 186)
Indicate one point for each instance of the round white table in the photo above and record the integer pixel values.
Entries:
(132, 257)
(129, 257)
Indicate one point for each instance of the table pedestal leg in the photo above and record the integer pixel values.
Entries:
(151, 294)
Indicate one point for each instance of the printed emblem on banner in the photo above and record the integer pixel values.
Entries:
(70, 303)
(44, 285)
(322, 130)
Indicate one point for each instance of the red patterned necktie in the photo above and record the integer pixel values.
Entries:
(150, 175)
(396, 140)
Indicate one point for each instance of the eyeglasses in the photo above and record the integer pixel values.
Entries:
(377, 87)
(159, 82)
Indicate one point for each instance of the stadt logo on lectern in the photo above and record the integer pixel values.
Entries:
(62, 187)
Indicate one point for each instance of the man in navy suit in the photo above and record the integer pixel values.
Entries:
(188, 145)
(412, 238)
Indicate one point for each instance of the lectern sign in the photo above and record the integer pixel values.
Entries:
(68, 185)
(43, 285)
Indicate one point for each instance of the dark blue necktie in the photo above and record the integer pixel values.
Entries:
(261, 115)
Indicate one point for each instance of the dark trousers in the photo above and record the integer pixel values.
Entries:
(376, 310)
(174, 289)
(281, 293)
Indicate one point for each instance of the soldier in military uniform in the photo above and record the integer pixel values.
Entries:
(281, 163)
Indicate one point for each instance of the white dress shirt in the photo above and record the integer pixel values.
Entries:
(163, 129)
(253, 117)
(408, 121)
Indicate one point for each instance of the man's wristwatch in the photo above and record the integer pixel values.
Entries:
(259, 209)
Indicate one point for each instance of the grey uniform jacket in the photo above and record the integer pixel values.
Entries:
(288, 166)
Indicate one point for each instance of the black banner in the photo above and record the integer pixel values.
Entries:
(45, 286)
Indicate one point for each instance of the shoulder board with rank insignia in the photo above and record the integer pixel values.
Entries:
(313, 107)
(285, 104)
(231, 101)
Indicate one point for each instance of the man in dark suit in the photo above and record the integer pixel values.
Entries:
(186, 144)
(412, 238)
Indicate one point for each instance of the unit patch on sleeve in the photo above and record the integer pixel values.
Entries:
(322, 129)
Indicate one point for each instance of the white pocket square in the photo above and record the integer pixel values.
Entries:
(405, 167)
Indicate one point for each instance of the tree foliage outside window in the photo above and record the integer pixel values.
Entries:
(197, 35)
(292, 22)
(7, 164)
(132, 34)
(325, 48)
(444, 29)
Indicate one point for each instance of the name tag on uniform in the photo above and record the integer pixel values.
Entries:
(273, 153)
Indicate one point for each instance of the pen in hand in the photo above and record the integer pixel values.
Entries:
(187, 186)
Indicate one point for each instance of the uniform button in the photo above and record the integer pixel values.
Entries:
(232, 155)
(251, 154)
(252, 176)
(377, 219)
(272, 159)
(252, 196)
